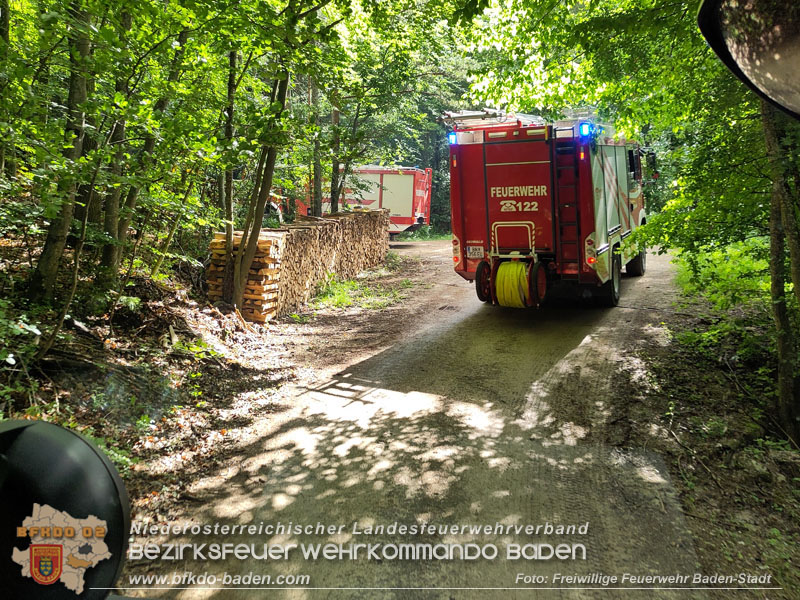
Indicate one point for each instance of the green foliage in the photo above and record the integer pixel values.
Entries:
(16, 387)
(272, 221)
(395, 261)
(738, 340)
(197, 348)
(682, 103)
(728, 276)
(18, 219)
(158, 76)
(194, 384)
(143, 423)
(119, 456)
(337, 293)
(132, 303)
(737, 331)
(19, 337)
(426, 232)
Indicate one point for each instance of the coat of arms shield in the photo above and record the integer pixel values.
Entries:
(46, 563)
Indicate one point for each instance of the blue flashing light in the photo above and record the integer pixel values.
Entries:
(584, 129)
(451, 137)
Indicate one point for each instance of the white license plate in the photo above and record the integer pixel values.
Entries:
(474, 251)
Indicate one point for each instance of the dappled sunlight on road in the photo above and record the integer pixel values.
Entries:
(347, 400)
(494, 420)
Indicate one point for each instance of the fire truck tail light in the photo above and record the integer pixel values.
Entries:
(583, 155)
(591, 260)
(451, 137)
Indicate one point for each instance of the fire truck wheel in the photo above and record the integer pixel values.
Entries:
(537, 284)
(637, 266)
(610, 289)
(483, 285)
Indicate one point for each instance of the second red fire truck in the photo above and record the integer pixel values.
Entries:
(404, 191)
(536, 203)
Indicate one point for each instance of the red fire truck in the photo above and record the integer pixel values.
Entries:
(405, 191)
(536, 203)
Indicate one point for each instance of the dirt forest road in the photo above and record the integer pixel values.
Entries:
(477, 415)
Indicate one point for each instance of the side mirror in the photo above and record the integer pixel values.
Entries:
(64, 513)
(759, 41)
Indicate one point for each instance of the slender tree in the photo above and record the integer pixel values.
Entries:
(780, 231)
(43, 281)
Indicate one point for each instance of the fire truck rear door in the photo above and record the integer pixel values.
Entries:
(519, 193)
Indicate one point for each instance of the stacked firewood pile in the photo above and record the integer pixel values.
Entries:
(261, 290)
(292, 261)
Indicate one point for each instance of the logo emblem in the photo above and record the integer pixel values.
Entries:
(46, 563)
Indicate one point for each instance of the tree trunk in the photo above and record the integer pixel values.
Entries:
(789, 218)
(789, 195)
(5, 40)
(788, 405)
(107, 277)
(173, 228)
(227, 278)
(237, 262)
(436, 164)
(43, 280)
(112, 255)
(316, 196)
(245, 259)
(5, 28)
(336, 165)
(86, 199)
